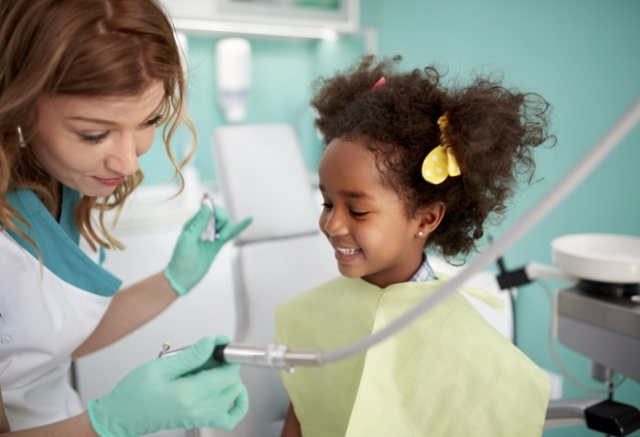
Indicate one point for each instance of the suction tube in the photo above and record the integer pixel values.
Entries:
(279, 356)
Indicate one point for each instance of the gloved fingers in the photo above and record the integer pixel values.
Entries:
(219, 384)
(221, 339)
(198, 222)
(191, 359)
(222, 218)
(224, 376)
(229, 231)
(225, 226)
(235, 400)
(240, 406)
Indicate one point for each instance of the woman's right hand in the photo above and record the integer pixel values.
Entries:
(181, 391)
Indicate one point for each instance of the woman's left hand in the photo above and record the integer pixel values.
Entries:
(193, 256)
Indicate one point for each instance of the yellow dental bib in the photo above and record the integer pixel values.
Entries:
(449, 373)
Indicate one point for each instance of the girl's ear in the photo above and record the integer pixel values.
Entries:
(430, 217)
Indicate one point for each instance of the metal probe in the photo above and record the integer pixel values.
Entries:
(275, 356)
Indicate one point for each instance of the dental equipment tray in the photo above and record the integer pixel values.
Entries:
(606, 329)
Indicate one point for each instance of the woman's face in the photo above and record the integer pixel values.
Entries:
(90, 144)
(365, 221)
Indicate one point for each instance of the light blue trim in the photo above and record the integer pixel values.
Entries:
(58, 242)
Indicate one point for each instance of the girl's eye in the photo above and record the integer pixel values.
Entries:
(358, 214)
(154, 121)
(327, 205)
(96, 139)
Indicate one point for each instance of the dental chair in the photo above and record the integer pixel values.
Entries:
(262, 173)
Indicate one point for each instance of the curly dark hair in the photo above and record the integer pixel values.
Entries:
(492, 130)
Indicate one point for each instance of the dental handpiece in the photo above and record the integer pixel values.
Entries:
(275, 356)
(210, 233)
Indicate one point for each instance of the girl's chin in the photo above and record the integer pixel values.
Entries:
(349, 272)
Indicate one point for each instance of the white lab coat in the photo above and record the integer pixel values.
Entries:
(46, 311)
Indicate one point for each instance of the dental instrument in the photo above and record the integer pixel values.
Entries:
(274, 355)
(210, 233)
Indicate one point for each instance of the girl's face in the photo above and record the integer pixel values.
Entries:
(366, 222)
(91, 143)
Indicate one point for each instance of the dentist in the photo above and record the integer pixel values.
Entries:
(83, 86)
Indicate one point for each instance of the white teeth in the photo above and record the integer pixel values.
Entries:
(346, 251)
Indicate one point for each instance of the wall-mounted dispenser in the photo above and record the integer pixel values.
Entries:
(233, 74)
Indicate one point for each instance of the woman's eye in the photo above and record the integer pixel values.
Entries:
(358, 213)
(154, 121)
(94, 138)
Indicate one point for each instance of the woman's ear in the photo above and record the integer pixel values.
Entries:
(430, 217)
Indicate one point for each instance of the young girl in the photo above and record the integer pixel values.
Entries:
(411, 165)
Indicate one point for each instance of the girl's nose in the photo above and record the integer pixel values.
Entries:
(333, 224)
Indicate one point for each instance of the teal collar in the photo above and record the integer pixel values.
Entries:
(59, 242)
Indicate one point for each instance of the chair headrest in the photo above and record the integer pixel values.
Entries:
(262, 173)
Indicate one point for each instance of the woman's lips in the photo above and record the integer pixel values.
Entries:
(111, 182)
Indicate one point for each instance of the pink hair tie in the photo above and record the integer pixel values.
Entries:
(379, 83)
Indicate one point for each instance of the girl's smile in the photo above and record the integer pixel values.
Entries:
(346, 255)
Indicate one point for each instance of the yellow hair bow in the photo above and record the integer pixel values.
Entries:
(441, 162)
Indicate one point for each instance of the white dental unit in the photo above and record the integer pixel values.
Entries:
(600, 316)
(597, 315)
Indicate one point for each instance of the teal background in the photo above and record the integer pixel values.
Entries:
(282, 71)
(583, 56)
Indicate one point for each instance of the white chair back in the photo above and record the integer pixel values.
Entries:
(262, 174)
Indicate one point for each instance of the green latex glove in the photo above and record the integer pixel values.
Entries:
(192, 257)
(182, 391)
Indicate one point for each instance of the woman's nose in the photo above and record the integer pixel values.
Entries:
(124, 159)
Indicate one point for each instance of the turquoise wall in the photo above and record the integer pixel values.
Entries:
(584, 57)
(581, 55)
(282, 71)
